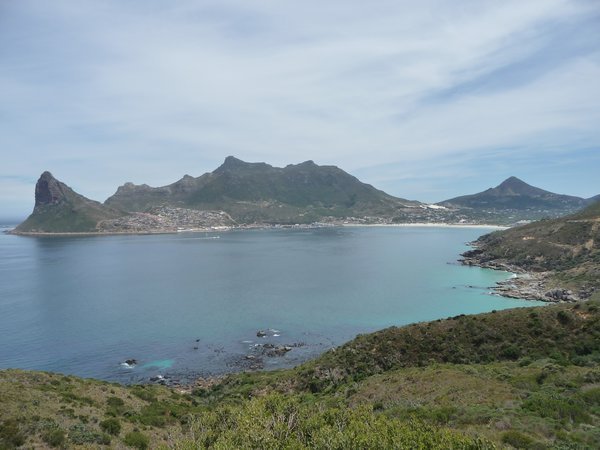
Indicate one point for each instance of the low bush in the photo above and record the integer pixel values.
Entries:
(144, 393)
(80, 434)
(557, 407)
(519, 440)
(277, 421)
(137, 440)
(54, 438)
(115, 401)
(111, 426)
(10, 434)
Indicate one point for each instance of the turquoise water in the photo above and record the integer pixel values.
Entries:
(192, 303)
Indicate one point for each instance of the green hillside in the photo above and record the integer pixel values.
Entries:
(523, 378)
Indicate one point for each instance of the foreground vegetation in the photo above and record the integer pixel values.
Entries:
(524, 378)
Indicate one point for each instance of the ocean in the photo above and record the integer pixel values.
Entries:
(191, 304)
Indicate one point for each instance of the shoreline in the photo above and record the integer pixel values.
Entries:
(254, 227)
(524, 284)
(429, 224)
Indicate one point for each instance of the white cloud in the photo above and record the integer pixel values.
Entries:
(147, 91)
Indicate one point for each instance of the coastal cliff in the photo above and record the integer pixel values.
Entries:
(559, 259)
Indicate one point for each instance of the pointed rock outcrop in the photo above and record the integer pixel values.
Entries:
(48, 190)
(59, 209)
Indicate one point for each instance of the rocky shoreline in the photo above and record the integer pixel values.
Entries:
(524, 284)
(267, 351)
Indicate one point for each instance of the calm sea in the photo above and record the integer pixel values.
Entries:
(192, 303)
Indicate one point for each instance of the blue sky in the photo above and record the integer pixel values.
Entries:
(426, 100)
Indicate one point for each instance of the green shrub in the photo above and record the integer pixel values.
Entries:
(80, 434)
(10, 434)
(137, 440)
(516, 439)
(54, 438)
(289, 421)
(111, 426)
(592, 396)
(510, 352)
(563, 317)
(144, 393)
(115, 401)
(525, 361)
(557, 407)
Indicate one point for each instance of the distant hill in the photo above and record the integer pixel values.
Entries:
(515, 194)
(58, 208)
(594, 199)
(249, 192)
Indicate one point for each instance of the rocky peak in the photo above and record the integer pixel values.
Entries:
(186, 184)
(187, 180)
(513, 183)
(131, 188)
(232, 164)
(515, 186)
(48, 190)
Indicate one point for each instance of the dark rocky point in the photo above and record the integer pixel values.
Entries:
(48, 190)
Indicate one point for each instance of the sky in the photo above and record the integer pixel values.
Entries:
(426, 100)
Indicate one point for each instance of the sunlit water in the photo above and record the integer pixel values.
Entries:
(192, 303)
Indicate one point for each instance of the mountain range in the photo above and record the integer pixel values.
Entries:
(242, 193)
(252, 192)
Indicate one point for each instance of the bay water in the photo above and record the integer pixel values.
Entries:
(190, 304)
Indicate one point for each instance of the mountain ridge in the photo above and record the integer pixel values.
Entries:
(235, 193)
(255, 192)
(239, 193)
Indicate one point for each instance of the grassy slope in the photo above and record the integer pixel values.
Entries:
(67, 218)
(47, 410)
(528, 376)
